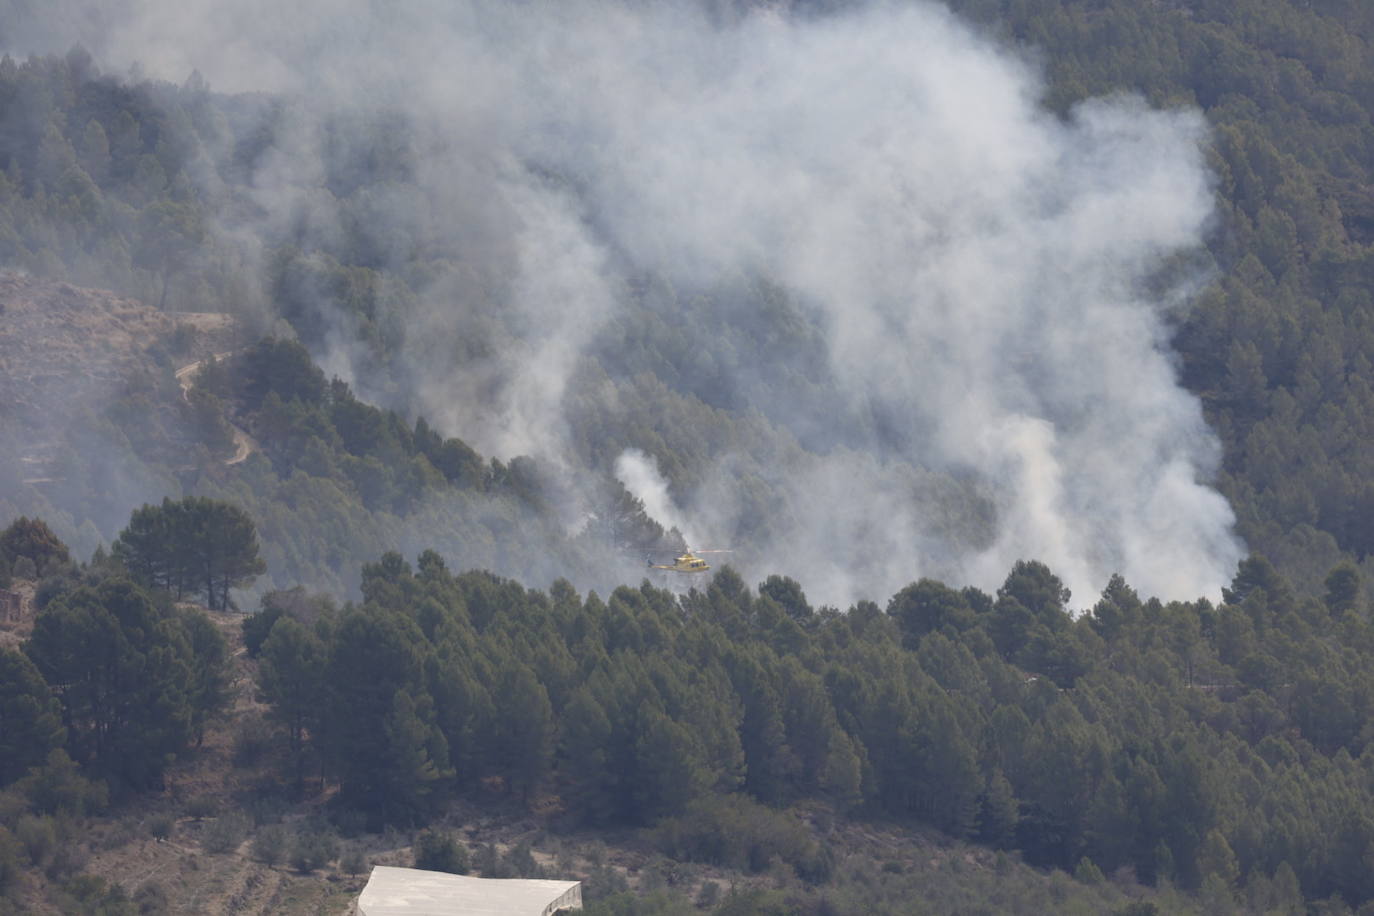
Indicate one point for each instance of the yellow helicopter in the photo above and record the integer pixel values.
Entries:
(687, 562)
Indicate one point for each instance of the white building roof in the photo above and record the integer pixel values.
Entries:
(394, 891)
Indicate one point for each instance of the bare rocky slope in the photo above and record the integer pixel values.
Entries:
(63, 347)
(83, 372)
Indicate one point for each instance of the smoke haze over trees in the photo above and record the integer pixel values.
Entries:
(1023, 354)
(936, 309)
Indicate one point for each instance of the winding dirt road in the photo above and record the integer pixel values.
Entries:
(186, 376)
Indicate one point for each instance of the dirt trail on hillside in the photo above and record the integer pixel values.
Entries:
(244, 444)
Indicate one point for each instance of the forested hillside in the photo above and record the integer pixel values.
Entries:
(1279, 344)
(484, 349)
(1223, 750)
(153, 190)
(1185, 742)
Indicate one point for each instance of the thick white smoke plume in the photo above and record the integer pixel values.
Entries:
(980, 268)
(640, 475)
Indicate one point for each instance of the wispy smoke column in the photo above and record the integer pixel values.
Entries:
(640, 475)
(510, 402)
(977, 263)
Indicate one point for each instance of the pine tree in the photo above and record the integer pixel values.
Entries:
(290, 677)
(416, 762)
(209, 688)
(583, 760)
(998, 812)
(32, 538)
(30, 717)
(669, 772)
(194, 545)
(522, 737)
(373, 654)
(123, 674)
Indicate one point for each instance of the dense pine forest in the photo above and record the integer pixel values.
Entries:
(438, 584)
